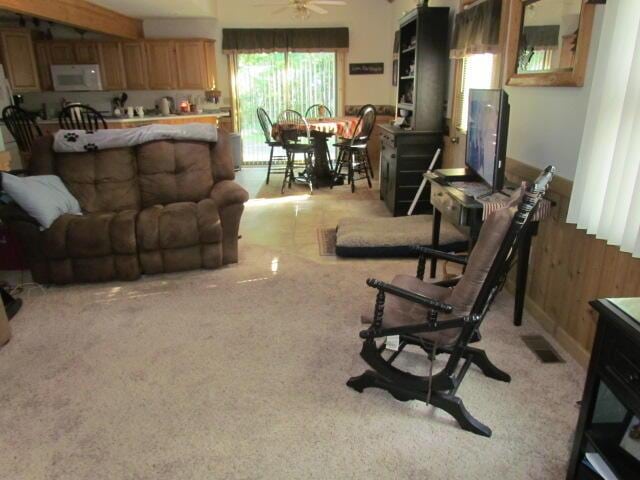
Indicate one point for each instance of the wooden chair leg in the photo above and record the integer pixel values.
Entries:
(338, 168)
(286, 172)
(366, 169)
(292, 169)
(351, 176)
(366, 154)
(269, 167)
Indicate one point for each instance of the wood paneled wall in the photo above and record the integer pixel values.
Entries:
(568, 268)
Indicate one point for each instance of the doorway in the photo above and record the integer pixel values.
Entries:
(278, 81)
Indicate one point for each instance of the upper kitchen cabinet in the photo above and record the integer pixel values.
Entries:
(85, 52)
(61, 53)
(210, 59)
(162, 64)
(135, 65)
(192, 69)
(111, 66)
(18, 58)
(43, 60)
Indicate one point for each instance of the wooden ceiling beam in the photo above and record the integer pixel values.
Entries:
(79, 14)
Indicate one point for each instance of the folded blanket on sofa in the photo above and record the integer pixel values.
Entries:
(84, 140)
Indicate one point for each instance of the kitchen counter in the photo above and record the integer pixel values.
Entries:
(149, 118)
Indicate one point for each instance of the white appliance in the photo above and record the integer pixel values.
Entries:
(76, 78)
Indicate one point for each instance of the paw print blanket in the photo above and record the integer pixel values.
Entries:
(87, 141)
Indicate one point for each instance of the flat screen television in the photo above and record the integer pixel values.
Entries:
(487, 129)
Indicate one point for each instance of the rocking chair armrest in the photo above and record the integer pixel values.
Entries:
(439, 254)
(411, 296)
(457, 322)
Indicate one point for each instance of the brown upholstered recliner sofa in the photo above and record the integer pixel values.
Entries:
(162, 206)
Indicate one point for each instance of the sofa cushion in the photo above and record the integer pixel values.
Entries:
(102, 181)
(95, 247)
(170, 171)
(179, 236)
(91, 235)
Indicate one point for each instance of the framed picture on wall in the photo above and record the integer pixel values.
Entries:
(396, 42)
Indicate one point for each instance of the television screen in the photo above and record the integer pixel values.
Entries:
(487, 135)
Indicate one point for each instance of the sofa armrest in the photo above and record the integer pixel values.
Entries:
(228, 192)
(11, 212)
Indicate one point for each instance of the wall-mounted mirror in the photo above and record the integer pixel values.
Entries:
(548, 42)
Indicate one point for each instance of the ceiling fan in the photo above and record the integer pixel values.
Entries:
(302, 8)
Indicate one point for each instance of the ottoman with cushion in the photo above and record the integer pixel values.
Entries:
(162, 206)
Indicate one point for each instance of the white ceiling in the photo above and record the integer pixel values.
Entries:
(161, 8)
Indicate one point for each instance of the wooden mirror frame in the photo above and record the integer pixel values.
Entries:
(555, 78)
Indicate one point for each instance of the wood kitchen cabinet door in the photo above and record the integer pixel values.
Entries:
(62, 53)
(134, 59)
(210, 59)
(19, 60)
(85, 52)
(111, 66)
(43, 61)
(161, 64)
(191, 64)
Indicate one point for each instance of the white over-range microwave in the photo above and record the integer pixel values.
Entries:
(76, 78)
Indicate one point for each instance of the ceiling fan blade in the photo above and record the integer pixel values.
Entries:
(281, 9)
(337, 3)
(271, 4)
(315, 8)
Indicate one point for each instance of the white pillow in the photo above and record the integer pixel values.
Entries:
(44, 197)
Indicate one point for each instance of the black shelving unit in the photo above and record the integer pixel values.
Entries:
(407, 151)
(611, 399)
(423, 64)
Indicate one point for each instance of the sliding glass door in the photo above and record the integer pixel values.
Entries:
(278, 81)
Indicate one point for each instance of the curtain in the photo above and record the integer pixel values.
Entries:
(605, 200)
(260, 40)
(477, 30)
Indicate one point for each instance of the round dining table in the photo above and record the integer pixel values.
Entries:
(321, 130)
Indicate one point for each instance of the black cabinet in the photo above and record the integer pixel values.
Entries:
(423, 63)
(404, 157)
(609, 423)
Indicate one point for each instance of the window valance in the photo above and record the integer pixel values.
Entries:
(254, 40)
(477, 30)
(543, 36)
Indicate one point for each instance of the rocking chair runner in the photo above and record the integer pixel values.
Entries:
(445, 317)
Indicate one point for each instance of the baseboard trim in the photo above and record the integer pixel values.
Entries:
(572, 347)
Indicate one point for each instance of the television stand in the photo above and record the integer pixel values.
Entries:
(465, 213)
(449, 175)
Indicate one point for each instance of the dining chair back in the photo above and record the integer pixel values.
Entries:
(295, 134)
(267, 129)
(293, 127)
(77, 116)
(353, 152)
(22, 126)
(364, 127)
(265, 123)
(318, 111)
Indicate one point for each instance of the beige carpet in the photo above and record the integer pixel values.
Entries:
(240, 373)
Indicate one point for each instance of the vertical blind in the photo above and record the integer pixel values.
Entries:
(277, 81)
(606, 192)
(477, 72)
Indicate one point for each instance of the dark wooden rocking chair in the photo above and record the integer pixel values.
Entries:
(445, 317)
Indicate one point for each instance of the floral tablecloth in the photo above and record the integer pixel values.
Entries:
(341, 126)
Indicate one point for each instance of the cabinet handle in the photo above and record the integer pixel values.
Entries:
(455, 140)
